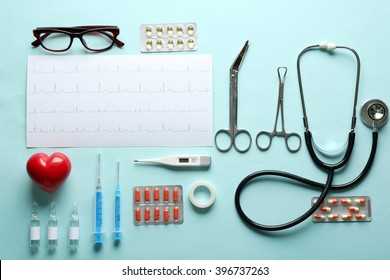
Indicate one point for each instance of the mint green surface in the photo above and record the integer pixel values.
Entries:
(277, 32)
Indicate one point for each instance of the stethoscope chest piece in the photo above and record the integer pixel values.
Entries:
(374, 113)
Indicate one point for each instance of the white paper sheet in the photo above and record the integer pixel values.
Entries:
(101, 100)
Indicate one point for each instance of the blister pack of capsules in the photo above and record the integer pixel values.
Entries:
(169, 37)
(343, 209)
(153, 205)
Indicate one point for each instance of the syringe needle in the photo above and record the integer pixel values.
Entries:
(117, 173)
(117, 217)
(98, 182)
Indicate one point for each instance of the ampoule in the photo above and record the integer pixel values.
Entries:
(35, 228)
(52, 227)
(74, 228)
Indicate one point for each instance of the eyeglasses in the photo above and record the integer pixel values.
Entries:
(93, 38)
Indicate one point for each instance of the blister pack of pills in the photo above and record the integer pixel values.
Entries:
(153, 205)
(169, 37)
(343, 209)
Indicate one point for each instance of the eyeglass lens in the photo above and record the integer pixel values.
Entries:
(55, 41)
(98, 40)
(94, 40)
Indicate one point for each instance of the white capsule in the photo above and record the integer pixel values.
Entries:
(319, 217)
(346, 201)
(325, 209)
(333, 217)
(360, 216)
(353, 209)
(333, 201)
(360, 201)
(346, 216)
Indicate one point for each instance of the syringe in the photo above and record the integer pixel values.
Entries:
(52, 228)
(35, 228)
(74, 228)
(98, 206)
(117, 218)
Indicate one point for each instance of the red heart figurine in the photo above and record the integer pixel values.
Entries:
(48, 172)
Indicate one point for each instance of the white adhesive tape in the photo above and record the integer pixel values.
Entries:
(207, 203)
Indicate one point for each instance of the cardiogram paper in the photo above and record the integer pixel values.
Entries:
(101, 100)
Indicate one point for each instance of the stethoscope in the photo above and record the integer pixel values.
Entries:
(374, 114)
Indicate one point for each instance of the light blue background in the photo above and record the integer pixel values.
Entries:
(278, 31)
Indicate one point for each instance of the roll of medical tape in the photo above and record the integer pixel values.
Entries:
(207, 203)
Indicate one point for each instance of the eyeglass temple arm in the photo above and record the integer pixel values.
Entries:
(36, 42)
(117, 42)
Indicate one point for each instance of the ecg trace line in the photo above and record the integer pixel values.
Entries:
(117, 70)
(119, 129)
(78, 110)
(118, 90)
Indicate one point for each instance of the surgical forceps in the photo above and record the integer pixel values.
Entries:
(233, 131)
(282, 71)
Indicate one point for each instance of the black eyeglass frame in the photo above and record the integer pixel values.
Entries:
(77, 32)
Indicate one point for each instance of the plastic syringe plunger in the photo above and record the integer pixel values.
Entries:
(35, 228)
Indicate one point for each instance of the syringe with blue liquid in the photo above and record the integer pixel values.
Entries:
(117, 217)
(98, 207)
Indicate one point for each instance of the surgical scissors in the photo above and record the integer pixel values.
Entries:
(282, 72)
(233, 131)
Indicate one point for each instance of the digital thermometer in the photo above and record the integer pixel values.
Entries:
(180, 161)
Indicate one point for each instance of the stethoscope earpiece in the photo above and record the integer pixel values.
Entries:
(374, 113)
